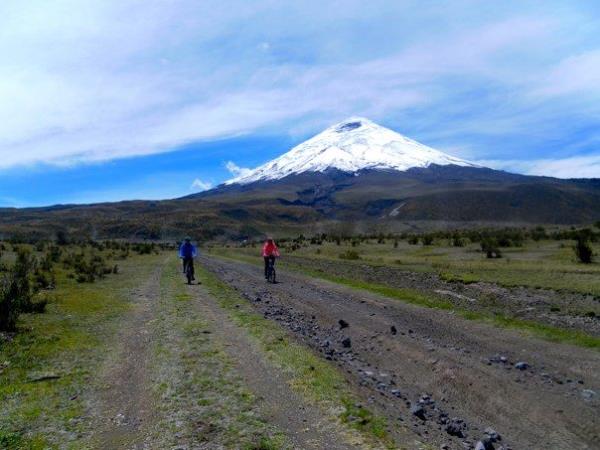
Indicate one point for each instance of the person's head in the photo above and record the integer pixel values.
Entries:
(270, 240)
(187, 240)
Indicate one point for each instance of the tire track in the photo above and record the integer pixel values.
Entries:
(304, 424)
(126, 406)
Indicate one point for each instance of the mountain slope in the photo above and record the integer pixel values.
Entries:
(356, 174)
(350, 146)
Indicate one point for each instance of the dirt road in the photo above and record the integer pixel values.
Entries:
(449, 378)
(184, 375)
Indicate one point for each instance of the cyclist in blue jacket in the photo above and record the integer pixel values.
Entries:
(187, 253)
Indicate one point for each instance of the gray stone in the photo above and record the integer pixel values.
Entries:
(455, 429)
(418, 411)
(484, 444)
(588, 394)
(492, 434)
(521, 365)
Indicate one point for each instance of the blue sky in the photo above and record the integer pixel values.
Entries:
(129, 99)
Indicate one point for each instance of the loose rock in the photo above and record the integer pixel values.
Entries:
(484, 444)
(588, 394)
(521, 365)
(418, 411)
(492, 434)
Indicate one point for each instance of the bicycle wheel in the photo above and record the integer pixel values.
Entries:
(189, 273)
(272, 275)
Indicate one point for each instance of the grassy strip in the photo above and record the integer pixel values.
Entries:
(548, 332)
(195, 381)
(46, 370)
(313, 377)
(556, 270)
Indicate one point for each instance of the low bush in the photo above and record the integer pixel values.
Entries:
(427, 239)
(583, 250)
(457, 241)
(16, 293)
(87, 269)
(490, 248)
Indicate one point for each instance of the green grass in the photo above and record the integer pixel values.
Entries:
(466, 278)
(414, 297)
(543, 264)
(68, 341)
(310, 375)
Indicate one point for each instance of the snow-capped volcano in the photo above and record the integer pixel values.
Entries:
(350, 146)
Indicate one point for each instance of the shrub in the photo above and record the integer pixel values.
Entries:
(16, 295)
(583, 250)
(87, 269)
(490, 248)
(427, 239)
(539, 233)
(43, 280)
(61, 238)
(457, 241)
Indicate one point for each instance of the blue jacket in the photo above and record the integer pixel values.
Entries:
(187, 250)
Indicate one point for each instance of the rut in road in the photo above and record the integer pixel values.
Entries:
(305, 425)
(446, 357)
(126, 406)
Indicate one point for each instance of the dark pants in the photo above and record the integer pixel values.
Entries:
(267, 260)
(187, 261)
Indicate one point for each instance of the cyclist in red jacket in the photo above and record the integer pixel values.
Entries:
(269, 253)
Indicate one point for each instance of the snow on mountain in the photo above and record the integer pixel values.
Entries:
(350, 146)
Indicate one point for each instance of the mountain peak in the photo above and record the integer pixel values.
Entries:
(350, 124)
(352, 145)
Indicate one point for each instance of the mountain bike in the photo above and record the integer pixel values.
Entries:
(271, 274)
(189, 271)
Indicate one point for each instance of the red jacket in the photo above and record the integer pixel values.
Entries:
(270, 250)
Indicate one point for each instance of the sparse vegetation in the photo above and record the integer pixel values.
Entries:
(350, 255)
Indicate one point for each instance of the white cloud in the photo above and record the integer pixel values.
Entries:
(79, 83)
(236, 170)
(574, 167)
(199, 185)
(579, 74)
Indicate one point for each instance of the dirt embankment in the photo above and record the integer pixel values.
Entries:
(448, 378)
